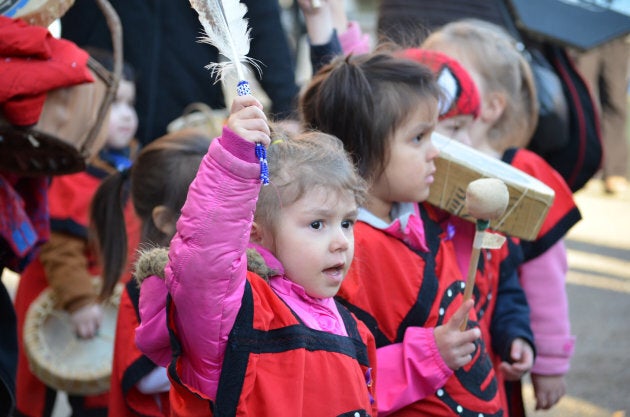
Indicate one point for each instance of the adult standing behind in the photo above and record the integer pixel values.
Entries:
(160, 42)
(605, 69)
(408, 21)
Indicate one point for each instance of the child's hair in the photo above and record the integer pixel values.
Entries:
(494, 54)
(301, 163)
(106, 59)
(362, 99)
(160, 176)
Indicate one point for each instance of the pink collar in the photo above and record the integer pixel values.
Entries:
(407, 225)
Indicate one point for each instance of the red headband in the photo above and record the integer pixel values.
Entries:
(461, 94)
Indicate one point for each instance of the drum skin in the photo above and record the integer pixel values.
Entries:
(61, 359)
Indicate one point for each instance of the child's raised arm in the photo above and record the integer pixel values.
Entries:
(207, 266)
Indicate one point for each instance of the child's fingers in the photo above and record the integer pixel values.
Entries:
(250, 112)
(460, 315)
(510, 371)
(253, 130)
(241, 102)
(470, 335)
(522, 354)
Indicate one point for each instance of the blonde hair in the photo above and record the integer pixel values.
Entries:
(299, 163)
(496, 57)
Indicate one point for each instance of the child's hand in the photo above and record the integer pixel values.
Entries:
(87, 320)
(455, 346)
(548, 390)
(248, 120)
(313, 7)
(318, 21)
(522, 357)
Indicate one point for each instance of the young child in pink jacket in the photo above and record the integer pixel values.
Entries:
(273, 324)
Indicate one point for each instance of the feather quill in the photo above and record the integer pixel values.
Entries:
(226, 28)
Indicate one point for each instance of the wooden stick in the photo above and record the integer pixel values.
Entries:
(486, 199)
(472, 266)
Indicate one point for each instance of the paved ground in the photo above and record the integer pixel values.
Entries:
(599, 296)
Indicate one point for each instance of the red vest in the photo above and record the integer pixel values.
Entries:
(563, 213)
(69, 197)
(130, 365)
(391, 287)
(276, 366)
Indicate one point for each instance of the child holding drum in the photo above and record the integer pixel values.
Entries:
(68, 264)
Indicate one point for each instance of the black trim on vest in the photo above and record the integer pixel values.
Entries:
(140, 368)
(134, 296)
(70, 227)
(367, 319)
(419, 313)
(143, 365)
(533, 249)
(508, 155)
(244, 340)
(355, 413)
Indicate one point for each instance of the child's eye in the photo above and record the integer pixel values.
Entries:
(347, 224)
(421, 136)
(317, 224)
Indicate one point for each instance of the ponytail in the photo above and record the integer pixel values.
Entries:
(107, 229)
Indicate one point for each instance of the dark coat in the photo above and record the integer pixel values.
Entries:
(160, 42)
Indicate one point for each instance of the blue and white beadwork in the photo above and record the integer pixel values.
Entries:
(242, 89)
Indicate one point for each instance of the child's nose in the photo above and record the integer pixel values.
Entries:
(340, 240)
(432, 151)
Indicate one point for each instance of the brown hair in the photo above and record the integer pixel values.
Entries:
(300, 163)
(160, 176)
(493, 53)
(362, 99)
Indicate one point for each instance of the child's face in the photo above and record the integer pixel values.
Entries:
(479, 129)
(410, 168)
(314, 240)
(457, 128)
(123, 119)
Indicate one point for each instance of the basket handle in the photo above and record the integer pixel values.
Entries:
(115, 28)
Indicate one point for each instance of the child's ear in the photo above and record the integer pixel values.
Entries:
(493, 107)
(164, 220)
(256, 235)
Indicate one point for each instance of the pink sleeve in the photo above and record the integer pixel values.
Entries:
(543, 280)
(207, 265)
(353, 40)
(409, 371)
(152, 334)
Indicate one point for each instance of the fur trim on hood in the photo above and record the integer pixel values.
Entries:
(152, 262)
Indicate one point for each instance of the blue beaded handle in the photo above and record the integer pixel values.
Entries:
(242, 89)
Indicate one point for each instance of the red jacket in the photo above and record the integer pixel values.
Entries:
(394, 287)
(563, 213)
(66, 263)
(130, 365)
(267, 334)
